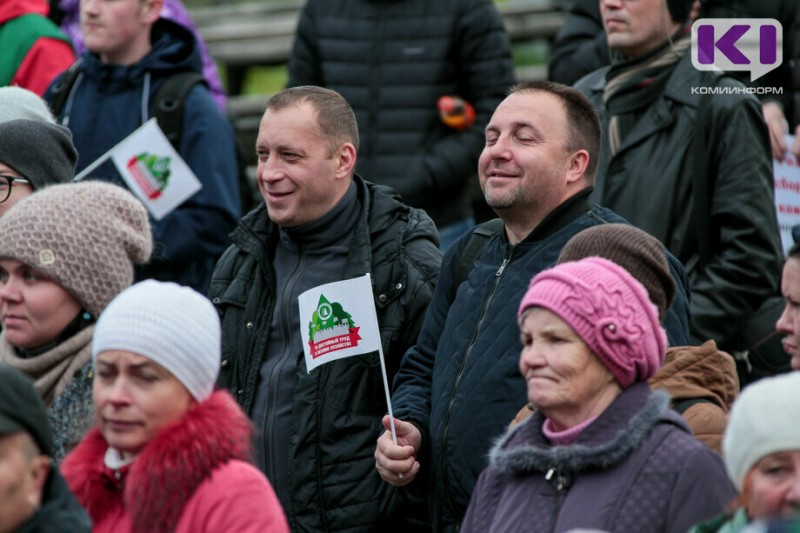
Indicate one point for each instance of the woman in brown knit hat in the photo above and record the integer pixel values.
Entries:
(65, 252)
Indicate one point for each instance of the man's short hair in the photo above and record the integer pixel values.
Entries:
(582, 120)
(334, 115)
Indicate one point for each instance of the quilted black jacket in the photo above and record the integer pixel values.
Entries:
(461, 384)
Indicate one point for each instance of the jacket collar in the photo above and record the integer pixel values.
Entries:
(181, 457)
(660, 115)
(572, 208)
(611, 437)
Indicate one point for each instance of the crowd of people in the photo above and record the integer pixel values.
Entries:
(578, 363)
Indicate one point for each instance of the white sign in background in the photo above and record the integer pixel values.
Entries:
(787, 194)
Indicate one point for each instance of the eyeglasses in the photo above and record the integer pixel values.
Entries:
(6, 182)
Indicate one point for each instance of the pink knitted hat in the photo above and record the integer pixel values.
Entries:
(609, 310)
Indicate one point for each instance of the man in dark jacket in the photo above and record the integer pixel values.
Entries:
(392, 60)
(35, 498)
(581, 47)
(130, 54)
(460, 384)
(320, 223)
(655, 163)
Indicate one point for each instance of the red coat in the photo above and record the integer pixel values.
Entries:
(192, 477)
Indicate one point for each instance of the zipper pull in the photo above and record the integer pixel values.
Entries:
(502, 268)
(549, 475)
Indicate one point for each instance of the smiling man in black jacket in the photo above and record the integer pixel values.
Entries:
(319, 223)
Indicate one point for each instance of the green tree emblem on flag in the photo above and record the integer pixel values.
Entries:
(328, 316)
(157, 167)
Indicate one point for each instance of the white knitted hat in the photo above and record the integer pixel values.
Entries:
(765, 419)
(16, 102)
(174, 326)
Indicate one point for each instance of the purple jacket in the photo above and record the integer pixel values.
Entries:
(635, 468)
(172, 10)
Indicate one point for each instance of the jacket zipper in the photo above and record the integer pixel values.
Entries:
(269, 412)
(497, 277)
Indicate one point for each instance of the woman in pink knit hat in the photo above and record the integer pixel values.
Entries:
(602, 451)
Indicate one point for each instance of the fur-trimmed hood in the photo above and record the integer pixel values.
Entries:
(158, 484)
(620, 429)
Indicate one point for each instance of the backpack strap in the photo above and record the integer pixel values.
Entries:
(62, 87)
(168, 105)
(472, 251)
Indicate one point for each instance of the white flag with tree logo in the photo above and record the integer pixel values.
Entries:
(338, 320)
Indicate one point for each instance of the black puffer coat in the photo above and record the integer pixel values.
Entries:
(338, 407)
(392, 60)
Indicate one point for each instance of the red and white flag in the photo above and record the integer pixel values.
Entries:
(152, 169)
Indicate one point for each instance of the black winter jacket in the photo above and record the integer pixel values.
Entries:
(338, 407)
(649, 182)
(460, 384)
(392, 60)
(581, 45)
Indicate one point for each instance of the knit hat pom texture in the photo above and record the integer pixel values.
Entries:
(609, 310)
(86, 236)
(172, 325)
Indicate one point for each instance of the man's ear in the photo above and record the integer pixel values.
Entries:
(39, 470)
(151, 10)
(345, 157)
(576, 166)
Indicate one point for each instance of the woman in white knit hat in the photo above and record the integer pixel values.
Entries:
(65, 252)
(761, 448)
(169, 453)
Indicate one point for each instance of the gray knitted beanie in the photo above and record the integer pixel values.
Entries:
(86, 236)
(635, 250)
(174, 326)
(41, 152)
(16, 102)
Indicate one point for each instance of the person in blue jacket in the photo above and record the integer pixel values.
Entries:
(130, 52)
(458, 387)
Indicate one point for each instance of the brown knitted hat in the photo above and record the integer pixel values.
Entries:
(86, 236)
(635, 250)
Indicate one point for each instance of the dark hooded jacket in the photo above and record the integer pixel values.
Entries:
(636, 468)
(392, 60)
(337, 408)
(107, 103)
